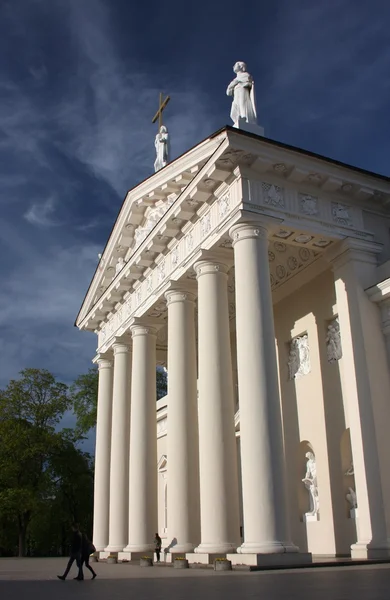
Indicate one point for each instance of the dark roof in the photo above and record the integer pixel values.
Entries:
(301, 151)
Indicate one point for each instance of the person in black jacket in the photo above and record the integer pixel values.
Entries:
(87, 548)
(75, 554)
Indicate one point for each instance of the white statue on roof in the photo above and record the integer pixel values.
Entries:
(161, 143)
(242, 89)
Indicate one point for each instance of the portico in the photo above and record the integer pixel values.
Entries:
(250, 270)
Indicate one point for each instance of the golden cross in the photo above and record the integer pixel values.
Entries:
(162, 105)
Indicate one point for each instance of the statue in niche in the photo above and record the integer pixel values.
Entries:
(299, 357)
(161, 144)
(351, 496)
(310, 481)
(119, 265)
(243, 91)
(333, 342)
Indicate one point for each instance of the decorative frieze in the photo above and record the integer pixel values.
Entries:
(160, 273)
(308, 205)
(224, 205)
(205, 224)
(189, 242)
(299, 357)
(272, 194)
(341, 214)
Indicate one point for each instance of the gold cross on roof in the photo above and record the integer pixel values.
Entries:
(162, 105)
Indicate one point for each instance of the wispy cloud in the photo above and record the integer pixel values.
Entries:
(78, 95)
(328, 70)
(42, 213)
(38, 304)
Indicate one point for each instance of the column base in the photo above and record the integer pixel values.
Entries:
(370, 550)
(268, 548)
(129, 556)
(113, 549)
(99, 547)
(220, 549)
(271, 560)
(204, 558)
(103, 554)
(182, 549)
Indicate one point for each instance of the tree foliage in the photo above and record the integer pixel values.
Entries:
(46, 481)
(32, 450)
(84, 395)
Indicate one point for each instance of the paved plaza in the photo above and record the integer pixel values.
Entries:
(30, 579)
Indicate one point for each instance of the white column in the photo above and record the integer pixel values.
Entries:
(102, 454)
(365, 385)
(183, 459)
(143, 442)
(119, 464)
(217, 444)
(262, 458)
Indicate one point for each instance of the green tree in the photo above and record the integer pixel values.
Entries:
(84, 394)
(30, 410)
(161, 383)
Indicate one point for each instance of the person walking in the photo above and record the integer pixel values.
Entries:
(87, 548)
(75, 554)
(157, 546)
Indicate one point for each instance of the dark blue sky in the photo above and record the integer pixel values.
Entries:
(79, 85)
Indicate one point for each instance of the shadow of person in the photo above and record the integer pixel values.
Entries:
(171, 545)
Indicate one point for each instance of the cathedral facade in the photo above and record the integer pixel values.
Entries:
(258, 274)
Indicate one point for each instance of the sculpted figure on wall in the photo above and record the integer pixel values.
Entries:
(243, 91)
(299, 357)
(310, 482)
(351, 496)
(333, 342)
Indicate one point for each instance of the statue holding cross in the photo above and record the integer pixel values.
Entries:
(161, 142)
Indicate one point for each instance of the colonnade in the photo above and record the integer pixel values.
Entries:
(203, 502)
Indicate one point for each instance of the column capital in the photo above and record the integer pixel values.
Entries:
(143, 329)
(104, 363)
(250, 230)
(121, 345)
(178, 295)
(210, 267)
(103, 360)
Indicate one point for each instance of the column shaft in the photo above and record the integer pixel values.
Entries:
(262, 460)
(217, 444)
(365, 384)
(143, 442)
(119, 464)
(183, 459)
(102, 455)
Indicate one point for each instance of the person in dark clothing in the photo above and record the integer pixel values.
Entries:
(75, 554)
(157, 546)
(87, 548)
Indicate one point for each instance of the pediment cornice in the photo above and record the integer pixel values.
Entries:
(203, 179)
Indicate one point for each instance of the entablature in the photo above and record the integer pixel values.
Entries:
(306, 214)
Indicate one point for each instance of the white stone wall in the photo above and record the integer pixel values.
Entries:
(314, 417)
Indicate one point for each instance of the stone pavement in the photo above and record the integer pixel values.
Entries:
(30, 579)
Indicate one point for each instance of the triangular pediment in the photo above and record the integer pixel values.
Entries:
(142, 209)
(311, 199)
